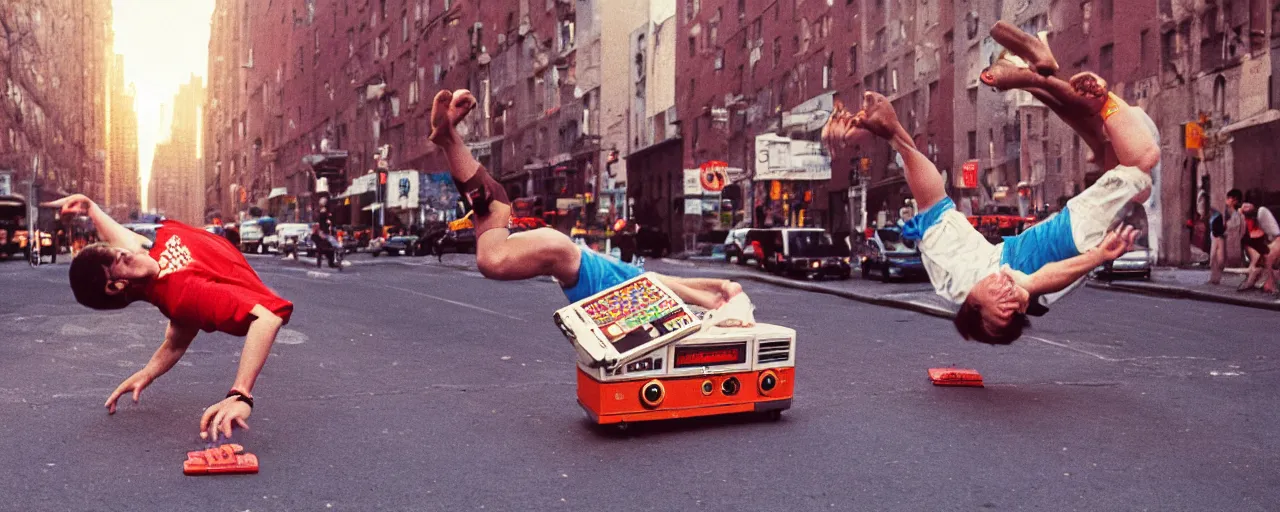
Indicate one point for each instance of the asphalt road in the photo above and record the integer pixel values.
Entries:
(404, 385)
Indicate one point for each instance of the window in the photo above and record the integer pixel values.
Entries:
(693, 46)
(404, 27)
(853, 59)
(719, 59)
(826, 72)
(1104, 58)
(777, 51)
(1107, 9)
(1143, 51)
(973, 144)
(973, 97)
(894, 74)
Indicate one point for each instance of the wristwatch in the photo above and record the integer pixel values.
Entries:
(241, 397)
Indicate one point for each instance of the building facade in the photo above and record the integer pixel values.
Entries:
(344, 82)
(177, 184)
(121, 198)
(53, 117)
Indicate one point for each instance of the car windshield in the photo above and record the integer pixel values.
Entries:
(893, 241)
(811, 243)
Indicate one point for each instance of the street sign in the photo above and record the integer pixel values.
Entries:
(969, 174)
(1194, 136)
(713, 176)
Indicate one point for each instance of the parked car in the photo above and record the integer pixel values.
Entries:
(1136, 263)
(291, 236)
(399, 245)
(807, 252)
(889, 256)
(251, 236)
(13, 212)
(651, 242)
(147, 230)
(734, 244)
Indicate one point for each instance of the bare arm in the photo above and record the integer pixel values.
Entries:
(1130, 136)
(257, 346)
(922, 176)
(176, 341)
(1061, 274)
(109, 230)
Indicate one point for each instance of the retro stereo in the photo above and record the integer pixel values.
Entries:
(620, 323)
(717, 370)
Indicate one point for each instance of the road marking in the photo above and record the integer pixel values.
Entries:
(454, 302)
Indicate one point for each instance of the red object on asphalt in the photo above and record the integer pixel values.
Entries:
(227, 459)
(955, 377)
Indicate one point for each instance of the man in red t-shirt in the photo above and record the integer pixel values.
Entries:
(199, 281)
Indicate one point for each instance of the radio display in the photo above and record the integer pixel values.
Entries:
(710, 355)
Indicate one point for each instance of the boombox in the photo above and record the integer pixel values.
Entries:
(644, 355)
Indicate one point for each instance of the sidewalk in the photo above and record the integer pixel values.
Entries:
(1194, 284)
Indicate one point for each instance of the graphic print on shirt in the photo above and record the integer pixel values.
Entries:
(175, 257)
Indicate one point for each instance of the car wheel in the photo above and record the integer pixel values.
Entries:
(866, 271)
(884, 273)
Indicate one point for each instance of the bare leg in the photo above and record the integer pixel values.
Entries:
(1026, 46)
(1255, 269)
(499, 254)
(705, 292)
(878, 117)
(1217, 259)
(1270, 271)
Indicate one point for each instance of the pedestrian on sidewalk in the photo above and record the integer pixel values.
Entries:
(199, 281)
(1261, 242)
(1219, 224)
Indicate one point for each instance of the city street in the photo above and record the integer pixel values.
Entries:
(405, 384)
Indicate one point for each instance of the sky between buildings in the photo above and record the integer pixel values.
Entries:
(163, 42)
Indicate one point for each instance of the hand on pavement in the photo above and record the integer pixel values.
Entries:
(220, 416)
(135, 383)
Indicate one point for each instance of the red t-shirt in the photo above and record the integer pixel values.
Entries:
(205, 283)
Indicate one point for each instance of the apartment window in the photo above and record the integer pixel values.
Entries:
(826, 72)
(382, 9)
(973, 97)
(853, 59)
(693, 46)
(777, 51)
(404, 27)
(351, 42)
(1104, 58)
(894, 74)
(742, 9)
(1107, 9)
(879, 45)
(1143, 51)
(973, 144)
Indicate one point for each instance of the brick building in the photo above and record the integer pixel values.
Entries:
(53, 117)
(121, 197)
(340, 81)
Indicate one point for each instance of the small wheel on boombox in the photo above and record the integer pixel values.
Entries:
(774, 415)
(623, 426)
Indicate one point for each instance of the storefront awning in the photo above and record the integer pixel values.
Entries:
(372, 207)
(277, 192)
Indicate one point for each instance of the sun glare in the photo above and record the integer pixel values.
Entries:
(163, 42)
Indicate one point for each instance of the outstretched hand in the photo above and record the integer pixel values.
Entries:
(74, 204)
(1118, 242)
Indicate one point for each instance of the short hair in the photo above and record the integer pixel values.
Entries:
(89, 278)
(1236, 194)
(969, 323)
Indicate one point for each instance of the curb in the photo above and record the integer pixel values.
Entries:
(1183, 293)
